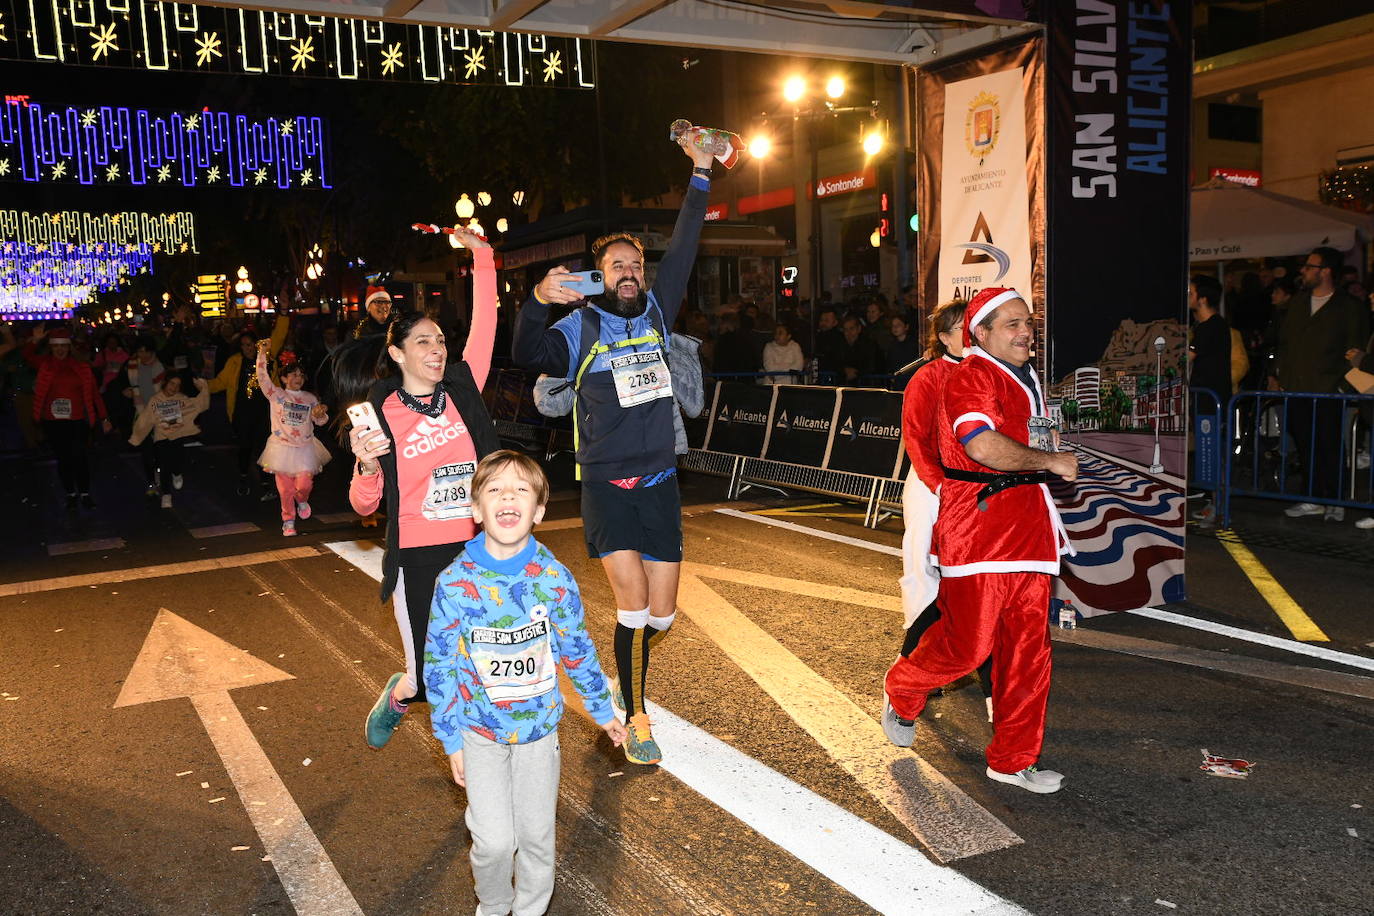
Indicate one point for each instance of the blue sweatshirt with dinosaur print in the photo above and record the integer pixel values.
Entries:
(498, 630)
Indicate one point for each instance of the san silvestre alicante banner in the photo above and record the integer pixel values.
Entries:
(1119, 92)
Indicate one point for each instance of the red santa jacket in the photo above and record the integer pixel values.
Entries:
(920, 413)
(1021, 530)
(70, 384)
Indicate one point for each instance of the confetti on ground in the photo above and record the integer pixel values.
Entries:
(1352, 831)
(1357, 806)
(258, 804)
(205, 785)
(305, 762)
(263, 594)
(59, 629)
(238, 848)
(1172, 906)
(653, 798)
(220, 799)
(267, 858)
(11, 698)
(186, 772)
(282, 655)
(277, 822)
(263, 708)
(58, 665)
(617, 773)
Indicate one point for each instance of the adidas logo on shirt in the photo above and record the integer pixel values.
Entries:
(429, 434)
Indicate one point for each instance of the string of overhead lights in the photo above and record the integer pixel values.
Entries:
(1350, 186)
(163, 233)
(105, 269)
(187, 37)
(115, 145)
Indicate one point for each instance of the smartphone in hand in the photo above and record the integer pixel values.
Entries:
(364, 415)
(586, 283)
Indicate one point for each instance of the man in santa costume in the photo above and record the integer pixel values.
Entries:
(377, 302)
(999, 538)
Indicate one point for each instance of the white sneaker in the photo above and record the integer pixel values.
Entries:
(1365, 523)
(166, 500)
(1302, 510)
(901, 732)
(1335, 514)
(177, 481)
(1032, 779)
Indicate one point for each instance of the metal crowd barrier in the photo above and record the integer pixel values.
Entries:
(1254, 454)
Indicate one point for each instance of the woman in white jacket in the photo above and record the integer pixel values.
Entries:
(782, 354)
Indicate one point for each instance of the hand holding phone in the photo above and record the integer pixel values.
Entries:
(586, 283)
(366, 438)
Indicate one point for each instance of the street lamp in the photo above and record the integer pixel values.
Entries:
(464, 207)
(760, 146)
(1155, 466)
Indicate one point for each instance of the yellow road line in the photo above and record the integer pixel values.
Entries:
(1290, 612)
(109, 577)
(787, 510)
(808, 511)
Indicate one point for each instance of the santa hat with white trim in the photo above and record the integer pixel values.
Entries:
(983, 304)
(376, 292)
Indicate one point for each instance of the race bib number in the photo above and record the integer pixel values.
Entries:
(61, 408)
(515, 663)
(641, 377)
(295, 415)
(1041, 433)
(169, 413)
(450, 492)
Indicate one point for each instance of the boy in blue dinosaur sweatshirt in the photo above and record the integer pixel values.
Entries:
(505, 615)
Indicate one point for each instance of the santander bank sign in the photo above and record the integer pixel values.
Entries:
(846, 183)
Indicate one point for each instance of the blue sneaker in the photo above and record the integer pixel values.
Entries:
(382, 720)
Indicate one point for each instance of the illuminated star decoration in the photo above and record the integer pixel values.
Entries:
(553, 66)
(59, 170)
(391, 59)
(3, 36)
(192, 122)
(260, 176)
(183, 248)
(213, 174)
(287, 127)
(88, 117)
(157, 246)
(164, 173)
(207, 46)
(307, 176)
(112, 172)
(473, 61)
(302, 53)
(4, 166)
(104, 41)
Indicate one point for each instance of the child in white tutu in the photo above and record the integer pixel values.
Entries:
(293, 454)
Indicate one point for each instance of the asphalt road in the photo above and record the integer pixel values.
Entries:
(121, 794)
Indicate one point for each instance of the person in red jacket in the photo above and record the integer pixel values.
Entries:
(999, 537)
(65, 402)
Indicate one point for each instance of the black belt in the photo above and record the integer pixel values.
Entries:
(996, 483)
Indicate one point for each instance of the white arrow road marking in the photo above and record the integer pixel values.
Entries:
(179, 659)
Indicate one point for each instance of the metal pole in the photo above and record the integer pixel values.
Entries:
(816, 284)
(600, 144)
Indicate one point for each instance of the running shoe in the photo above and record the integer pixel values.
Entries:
(268, 495)
(166, 500)
(288, 528)
(1302, 510)
(383, 719)
(901, 732)
(617, 698)
(177, 481)
(1365, 523)
(640, 746)
(1032, 779)
(303, 510)
(1334, 514)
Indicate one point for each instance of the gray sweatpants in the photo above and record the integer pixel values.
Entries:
(512, 801)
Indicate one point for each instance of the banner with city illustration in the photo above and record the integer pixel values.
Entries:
(1116, 362)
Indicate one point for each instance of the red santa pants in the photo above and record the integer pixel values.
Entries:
(1002, 614)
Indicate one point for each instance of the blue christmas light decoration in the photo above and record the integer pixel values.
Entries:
(105, 145)
(100, 267)
(170, 233)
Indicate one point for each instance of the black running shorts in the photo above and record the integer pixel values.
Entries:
(647, 519)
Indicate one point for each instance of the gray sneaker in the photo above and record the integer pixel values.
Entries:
(1032, 779)
(901, 732)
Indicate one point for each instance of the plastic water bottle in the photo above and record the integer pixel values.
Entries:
(1068, 617)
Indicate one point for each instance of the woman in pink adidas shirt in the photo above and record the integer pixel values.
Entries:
(434, 430)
